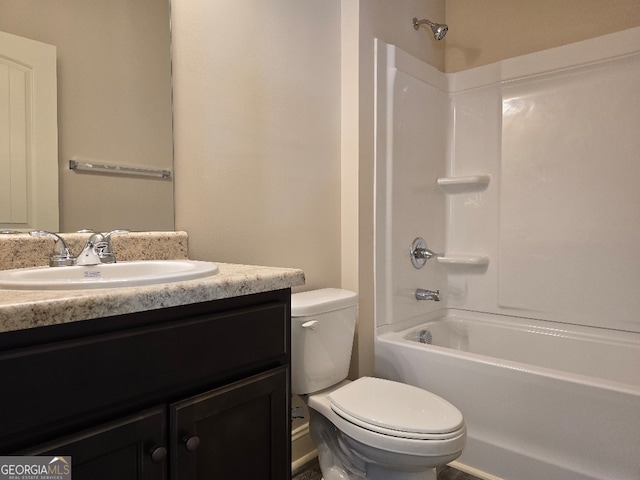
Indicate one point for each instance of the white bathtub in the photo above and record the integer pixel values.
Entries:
(541, 400)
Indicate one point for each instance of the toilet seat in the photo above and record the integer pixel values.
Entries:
(447, 445)
(396, 409)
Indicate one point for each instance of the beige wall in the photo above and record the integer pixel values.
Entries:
(257, 133)
(486, 31)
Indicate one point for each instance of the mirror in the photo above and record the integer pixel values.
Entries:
(114, 106)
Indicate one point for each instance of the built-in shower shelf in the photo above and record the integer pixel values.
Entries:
(462, 259)
(468, 183)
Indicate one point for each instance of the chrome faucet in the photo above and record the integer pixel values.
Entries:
(98, 249)
(423, 294)
(61, 256)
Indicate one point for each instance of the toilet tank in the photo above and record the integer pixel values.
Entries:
(322, 327)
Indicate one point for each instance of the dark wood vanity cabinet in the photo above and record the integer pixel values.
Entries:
(192, 392)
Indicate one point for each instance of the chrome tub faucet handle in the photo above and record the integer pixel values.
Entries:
(419, 253)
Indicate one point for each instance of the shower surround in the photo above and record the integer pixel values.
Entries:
(524, 175)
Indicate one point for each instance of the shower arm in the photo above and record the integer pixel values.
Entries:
(424, 21)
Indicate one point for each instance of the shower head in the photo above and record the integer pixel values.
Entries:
(439, 29)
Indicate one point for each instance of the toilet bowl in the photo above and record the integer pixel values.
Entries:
(367, 428)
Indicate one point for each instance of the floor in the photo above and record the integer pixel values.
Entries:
(312, 472)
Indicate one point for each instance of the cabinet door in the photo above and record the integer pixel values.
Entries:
(133, 448)
(241, 431)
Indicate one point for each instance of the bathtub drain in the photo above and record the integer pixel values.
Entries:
(425, 337)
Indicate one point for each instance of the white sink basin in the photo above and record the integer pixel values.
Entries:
(121, 274)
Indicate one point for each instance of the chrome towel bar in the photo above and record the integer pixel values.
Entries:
(103, 168)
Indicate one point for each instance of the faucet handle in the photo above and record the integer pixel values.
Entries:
(107, 236)
(419, 253)
(61, 256)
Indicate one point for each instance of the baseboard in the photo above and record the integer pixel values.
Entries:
(473, 471)
(302, 449)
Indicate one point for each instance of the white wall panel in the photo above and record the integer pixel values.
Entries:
(570, 203)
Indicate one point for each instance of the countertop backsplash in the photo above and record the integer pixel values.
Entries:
(23, 250)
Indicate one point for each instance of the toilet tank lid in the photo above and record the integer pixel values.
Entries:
(316, 302)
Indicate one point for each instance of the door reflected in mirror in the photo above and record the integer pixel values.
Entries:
(28, 134)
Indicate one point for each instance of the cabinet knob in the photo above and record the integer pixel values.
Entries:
(191, 443)
(158, 454)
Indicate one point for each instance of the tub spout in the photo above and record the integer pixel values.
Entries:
(423, 294)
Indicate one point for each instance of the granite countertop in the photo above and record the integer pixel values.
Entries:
(22, 309)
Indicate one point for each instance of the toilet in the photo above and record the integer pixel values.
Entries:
(369, 428)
